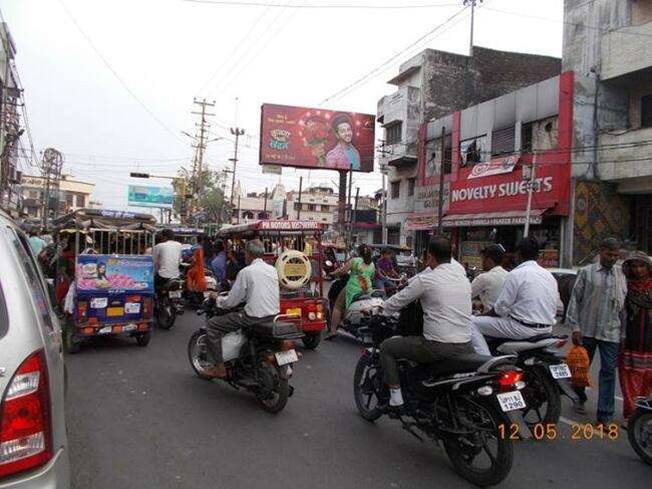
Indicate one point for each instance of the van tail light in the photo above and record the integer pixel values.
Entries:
(25, 424)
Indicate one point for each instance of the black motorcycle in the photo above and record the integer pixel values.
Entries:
(168, 302)
(545, 373)
(466, 403)
(259, 359)
(639, 429)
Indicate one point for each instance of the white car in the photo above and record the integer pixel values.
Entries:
(33, 442)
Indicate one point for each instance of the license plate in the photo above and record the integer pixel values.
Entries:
(132, 307)
(129, 327)
(175, 294)
(115, 311)
(295, 311)
(285, 357)
(105, 330)
(560, 371)
(511, 401)
(99, 302)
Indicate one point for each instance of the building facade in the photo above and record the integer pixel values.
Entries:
(73, 194)
(612, 133)
(494, 148)
(317, 203)
(431, 85)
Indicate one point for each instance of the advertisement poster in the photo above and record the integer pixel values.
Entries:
(108, 273)
(145, 196)
(316, 138)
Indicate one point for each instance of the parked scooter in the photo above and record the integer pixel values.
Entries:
(465, 402)
(639, 429)
(168, 302)
(258, 359)
(546, 375)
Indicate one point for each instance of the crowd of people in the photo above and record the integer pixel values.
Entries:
(608, 311)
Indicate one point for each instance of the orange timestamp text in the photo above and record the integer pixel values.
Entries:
(550, 431)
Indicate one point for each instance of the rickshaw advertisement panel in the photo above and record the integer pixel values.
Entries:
(109, 273)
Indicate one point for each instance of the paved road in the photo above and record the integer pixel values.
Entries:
(139, 418)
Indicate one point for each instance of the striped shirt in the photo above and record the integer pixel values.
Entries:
(597, 302)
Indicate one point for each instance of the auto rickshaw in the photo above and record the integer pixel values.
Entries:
(104, 280)
(294, 248)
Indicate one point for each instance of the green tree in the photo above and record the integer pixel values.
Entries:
(207, 203)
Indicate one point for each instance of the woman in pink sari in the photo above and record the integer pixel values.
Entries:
(635, 361)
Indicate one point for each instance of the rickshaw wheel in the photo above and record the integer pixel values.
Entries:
(71, 344)
(311, 340)
(143, 338)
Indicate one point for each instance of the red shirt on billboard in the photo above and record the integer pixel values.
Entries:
(316, 138)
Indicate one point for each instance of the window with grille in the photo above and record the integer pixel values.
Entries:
(393, 133)
(395, 190)
(646, 111)
(411, 184)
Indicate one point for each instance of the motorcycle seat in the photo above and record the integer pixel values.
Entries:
(492, 341)
(469, 363)
(361, 297)
(276, 329)
(517, 346)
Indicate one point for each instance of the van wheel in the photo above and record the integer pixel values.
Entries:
(71, 343)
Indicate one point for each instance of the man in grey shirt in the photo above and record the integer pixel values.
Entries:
(445, 296)
(594, 314)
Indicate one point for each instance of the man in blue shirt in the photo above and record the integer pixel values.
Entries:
(219, 262)
(36, 243)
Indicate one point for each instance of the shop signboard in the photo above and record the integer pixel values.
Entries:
(316, 138)
(495, 166)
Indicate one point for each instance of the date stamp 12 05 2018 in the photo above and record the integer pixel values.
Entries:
(578, 432)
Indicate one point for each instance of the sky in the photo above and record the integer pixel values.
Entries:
(111, 83)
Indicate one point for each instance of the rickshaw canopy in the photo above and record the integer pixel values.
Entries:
(83, 219)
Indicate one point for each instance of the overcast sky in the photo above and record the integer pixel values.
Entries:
(128, 116)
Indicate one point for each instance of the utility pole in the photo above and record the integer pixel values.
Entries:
(200, 140)
(341, 204)
(299, 202)
(384, 206)
(51, 166)
(440, 207)
(472, 3)
(354, 217)
(530, 190)
(237, 132)
(265, 204)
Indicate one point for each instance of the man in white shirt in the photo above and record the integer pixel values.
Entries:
(527, 304)
(257, 286)
(445, 296)
(487, 285)
(166, 256)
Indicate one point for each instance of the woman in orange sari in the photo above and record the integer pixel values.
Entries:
(635, 360)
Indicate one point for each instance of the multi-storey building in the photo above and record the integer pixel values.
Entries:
(430, 85)
(72, 195)
(609, 47)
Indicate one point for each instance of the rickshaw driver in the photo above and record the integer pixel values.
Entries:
(258, 287)
(167, 257)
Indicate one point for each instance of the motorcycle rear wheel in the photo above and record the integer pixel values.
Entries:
(165, 314)
(464, 450)
(542, 397)
(197, 354)
(311, 340)
(364, 388)
(640, 424)
(275, 400)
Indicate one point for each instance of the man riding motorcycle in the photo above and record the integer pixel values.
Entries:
(487, 285)
(257, 286)
(445, 296)
(167, 257)
(526, 306)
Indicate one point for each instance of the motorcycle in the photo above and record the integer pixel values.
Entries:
(168, 302)
(639, 429)
(466, 403)
(259, 359)
(363, 306)
(545, 373)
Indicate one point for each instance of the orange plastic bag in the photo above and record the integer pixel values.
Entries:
(579, 364)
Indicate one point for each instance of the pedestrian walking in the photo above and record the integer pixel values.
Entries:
(594, 314)
(635, 360)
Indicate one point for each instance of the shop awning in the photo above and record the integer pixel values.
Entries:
(509, 218)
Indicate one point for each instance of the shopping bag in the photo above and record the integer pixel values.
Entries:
(579, 364)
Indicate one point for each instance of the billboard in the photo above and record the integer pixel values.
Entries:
(316, 138)
(110, 273)
(143, 196)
